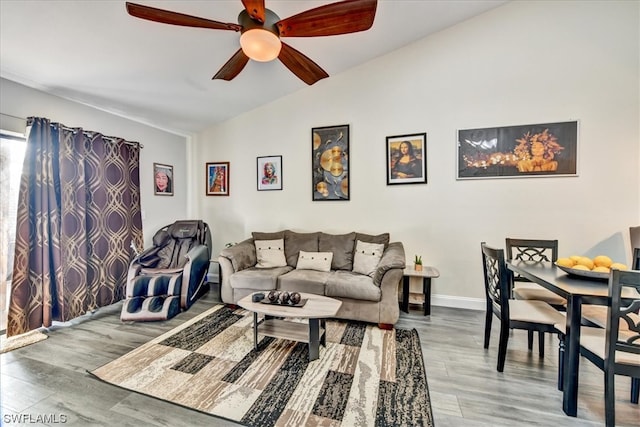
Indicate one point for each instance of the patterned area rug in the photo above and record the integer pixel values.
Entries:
(364, 377)
(18, 341)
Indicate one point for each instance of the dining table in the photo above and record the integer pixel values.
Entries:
(577, 290)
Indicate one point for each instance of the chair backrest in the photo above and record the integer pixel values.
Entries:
(634, 235)
(497, 280)
(532, 250)
(174, 241)
(623, 310)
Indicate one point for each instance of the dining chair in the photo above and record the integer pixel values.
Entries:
(615, 349)
(634, 236)
(596, 315)
(530, 315)
(538, 251)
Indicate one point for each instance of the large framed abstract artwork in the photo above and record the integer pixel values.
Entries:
(407, 159)
(217, 179)
(330, 163)
(538, 150)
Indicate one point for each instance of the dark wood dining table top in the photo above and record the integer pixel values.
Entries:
(593, 291)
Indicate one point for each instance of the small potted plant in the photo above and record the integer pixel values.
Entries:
(417, 263)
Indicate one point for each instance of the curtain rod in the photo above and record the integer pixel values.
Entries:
(13, 117)
(87, 133)
(107, 137)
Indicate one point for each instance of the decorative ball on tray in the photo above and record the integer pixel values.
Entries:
(273, 296)
(582, 266)
(294, 297)
(284, 298)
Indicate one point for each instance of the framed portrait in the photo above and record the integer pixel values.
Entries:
(538, 150)
(217, 179)
(162, 179)
(407, 159)
(269, 173)
(330, 163)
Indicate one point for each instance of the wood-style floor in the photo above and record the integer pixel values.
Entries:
(49, 379)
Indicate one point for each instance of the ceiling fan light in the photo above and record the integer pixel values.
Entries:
(260, 44)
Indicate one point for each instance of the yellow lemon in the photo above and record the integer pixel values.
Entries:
(565, 262)
(587, 262)
(581, 267)
(600, 269)
(619, 266)
(575, 258)
(602, 261)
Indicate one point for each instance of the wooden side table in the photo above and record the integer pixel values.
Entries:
(427, 274)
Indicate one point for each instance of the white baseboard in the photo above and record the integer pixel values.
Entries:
(458, 302)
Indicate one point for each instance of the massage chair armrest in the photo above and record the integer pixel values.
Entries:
(194, 273)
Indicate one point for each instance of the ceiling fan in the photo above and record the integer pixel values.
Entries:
(261, 30)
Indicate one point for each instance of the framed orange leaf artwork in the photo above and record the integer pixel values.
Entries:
(546, 149)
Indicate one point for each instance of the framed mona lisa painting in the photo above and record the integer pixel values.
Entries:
(407, 159)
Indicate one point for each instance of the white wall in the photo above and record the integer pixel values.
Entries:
(18, 101)
(522, 63)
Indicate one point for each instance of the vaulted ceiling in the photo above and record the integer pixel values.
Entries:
(95, 53)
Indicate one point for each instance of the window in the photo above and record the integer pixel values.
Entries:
(12, 149)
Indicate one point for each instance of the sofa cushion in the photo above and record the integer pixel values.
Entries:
(310, 281)
(342, 246)
(369, 238)
(257, 235)
(366, 257)
(263, 279)
(242, 255)
(270, 253)
(319, 261)
(296, 242)
(346, 284)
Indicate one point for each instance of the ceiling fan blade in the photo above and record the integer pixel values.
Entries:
(233, 66)
(255, 9)
(344, 17)
(175, 18)
(300, 65)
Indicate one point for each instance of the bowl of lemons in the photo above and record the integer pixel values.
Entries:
(592, 268)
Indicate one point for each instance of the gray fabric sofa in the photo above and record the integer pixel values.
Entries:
(371, 297)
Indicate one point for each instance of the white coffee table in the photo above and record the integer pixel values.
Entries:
(316, 310)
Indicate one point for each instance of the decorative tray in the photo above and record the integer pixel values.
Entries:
(584, 273)
(288, 304)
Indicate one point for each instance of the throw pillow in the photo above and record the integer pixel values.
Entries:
(369, 238)
(367, 257)
(341, 246)
(296, 242)
(320, 261)
(270, 253)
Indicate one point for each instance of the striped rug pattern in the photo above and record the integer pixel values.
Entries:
(364, 377)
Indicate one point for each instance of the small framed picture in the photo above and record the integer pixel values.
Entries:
(217, 179)
(407, 159)
(162, 179)
(269, 173)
